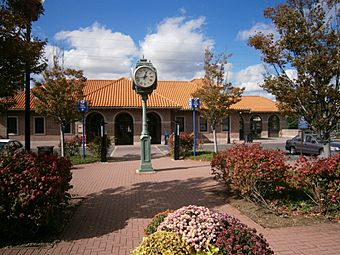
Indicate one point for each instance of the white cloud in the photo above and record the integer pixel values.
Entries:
(250, 77)
(292, 74)
(177, 48)
(258, 27)
(100, 52)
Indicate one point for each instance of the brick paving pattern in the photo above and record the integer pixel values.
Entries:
(119, 203)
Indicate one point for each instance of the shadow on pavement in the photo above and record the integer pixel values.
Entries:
(132, 157)
(111, 209)
(178, 168)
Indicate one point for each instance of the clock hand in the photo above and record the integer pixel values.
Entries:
(145, 75)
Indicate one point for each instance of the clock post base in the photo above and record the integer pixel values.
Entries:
(145, 149)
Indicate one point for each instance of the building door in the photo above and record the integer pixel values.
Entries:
(273, 126)
(154, 127)
(124, 129)
(256, 126)
(93, 123)
(241, 129)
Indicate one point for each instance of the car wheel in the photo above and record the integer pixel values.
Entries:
(292, 150)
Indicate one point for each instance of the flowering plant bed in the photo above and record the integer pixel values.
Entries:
(198, 230)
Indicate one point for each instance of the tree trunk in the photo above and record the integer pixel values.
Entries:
(326, 149)
(326, 145)
(62, 140)
(215, 140)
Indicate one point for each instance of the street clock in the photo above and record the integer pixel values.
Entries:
(144, 77)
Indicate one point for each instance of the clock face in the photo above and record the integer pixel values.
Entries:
(145, 76)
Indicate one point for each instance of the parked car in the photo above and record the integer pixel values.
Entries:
(311, 145)
(7, 145)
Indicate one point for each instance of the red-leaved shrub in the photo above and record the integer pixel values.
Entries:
(320, 180)
(32, 189)
(186, 144)
(251, 171)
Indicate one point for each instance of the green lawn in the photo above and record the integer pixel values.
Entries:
(77, 159)
(203, 155)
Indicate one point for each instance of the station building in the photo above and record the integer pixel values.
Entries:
(115, 103)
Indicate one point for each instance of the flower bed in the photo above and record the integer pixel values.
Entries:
(204, 232)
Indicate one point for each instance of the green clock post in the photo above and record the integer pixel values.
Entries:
(144, 81)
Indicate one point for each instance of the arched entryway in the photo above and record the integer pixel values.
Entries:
(154, 127)
(123, 129)
(93, 124)
(256, 126)
(273, 126)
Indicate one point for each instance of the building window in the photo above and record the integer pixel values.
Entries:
(68, 128)
(12, 125)
(39, 125)
(180, 121)
(203, 125)
(225, 124)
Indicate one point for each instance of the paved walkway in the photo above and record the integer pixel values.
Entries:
(119, 203)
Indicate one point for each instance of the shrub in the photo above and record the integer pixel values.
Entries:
(239, 239)
(208, 232)
(251, 171)
(72, 146)
(95, 146)
(163, 242)
(320, 180)
(32, 189)
(156, 220)
(198, 225)
(186, 144)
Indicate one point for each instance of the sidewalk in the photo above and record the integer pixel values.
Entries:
(119, 203)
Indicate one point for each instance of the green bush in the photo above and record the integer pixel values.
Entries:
(95, 146)
(72, 146)
(162, 242)
(32, 190)
(156, 220)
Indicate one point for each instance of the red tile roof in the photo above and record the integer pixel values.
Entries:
(169, 94)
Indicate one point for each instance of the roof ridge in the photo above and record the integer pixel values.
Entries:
(111, 82)
(166, 98)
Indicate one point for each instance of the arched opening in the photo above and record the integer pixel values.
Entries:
(93, 123)
(241, 129)
(256, 126)
(273, 126)
(154, 127)
(123, 129)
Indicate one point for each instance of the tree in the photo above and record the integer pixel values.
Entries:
(58, 95)
(18, 53)
(308, 45)
(216, 95)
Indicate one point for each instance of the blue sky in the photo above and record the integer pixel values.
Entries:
(105, 37)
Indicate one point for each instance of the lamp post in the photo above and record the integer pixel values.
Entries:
(144, 81)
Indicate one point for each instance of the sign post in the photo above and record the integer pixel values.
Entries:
(194, 103)
(83, 107)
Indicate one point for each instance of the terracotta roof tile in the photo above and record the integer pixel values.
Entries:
(169, 94)
(20, 101)
(256, 104)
